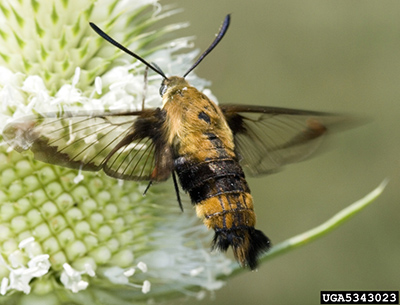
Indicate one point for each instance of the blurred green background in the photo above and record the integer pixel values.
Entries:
(332, 55)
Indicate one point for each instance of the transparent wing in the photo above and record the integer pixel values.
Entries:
(267, 138)
(120, 143)
(133, 160)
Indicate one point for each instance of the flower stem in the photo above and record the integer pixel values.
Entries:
(319, 231)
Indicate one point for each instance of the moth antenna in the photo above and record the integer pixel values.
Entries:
(218, 38)
(157, 67)
(121, 47)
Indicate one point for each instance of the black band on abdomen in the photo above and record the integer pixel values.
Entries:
(211, 178)
(192, 174)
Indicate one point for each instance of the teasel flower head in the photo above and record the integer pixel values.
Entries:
(72, 237)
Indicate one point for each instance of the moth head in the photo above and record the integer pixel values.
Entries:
(172, 82)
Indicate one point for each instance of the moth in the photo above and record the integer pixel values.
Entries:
(209, 148)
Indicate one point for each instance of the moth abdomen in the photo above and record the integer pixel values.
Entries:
(222, 198)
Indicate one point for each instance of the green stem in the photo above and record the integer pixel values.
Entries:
(310, 235)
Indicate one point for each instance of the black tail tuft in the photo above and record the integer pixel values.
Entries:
(247, 244)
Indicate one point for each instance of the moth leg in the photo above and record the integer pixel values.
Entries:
(178, 197)
(147, 187)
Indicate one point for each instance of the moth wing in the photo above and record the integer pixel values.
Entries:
(267, 138)
(114, 142)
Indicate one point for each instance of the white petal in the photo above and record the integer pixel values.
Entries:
(25, 242)
(142, 266)
(146, 287)
(4, 286)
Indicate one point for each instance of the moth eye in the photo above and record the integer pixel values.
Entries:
(163, 89)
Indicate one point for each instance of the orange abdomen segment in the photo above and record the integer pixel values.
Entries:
(227, 211)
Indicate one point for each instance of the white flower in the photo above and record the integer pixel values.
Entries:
(72, 279)
(20, 275)
(68, 234)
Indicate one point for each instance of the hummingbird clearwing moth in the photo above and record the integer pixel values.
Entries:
(209, 147)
